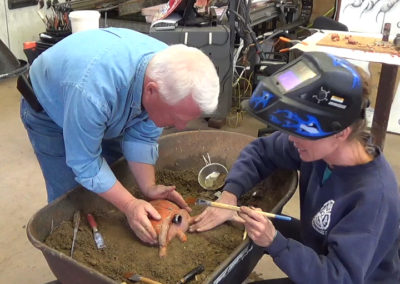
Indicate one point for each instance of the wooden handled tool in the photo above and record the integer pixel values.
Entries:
(98, 238)
(76, 221)
(285, 39)
(236, 208)
(191, 274)
(136, 278)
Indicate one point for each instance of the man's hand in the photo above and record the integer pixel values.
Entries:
(159, 191)
(138, 212)
(259, 228)
(145, 177)
(212, 217)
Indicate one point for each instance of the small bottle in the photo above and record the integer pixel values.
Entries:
(386, 31)
(396, 41)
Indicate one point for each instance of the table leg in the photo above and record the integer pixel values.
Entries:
(384, 99)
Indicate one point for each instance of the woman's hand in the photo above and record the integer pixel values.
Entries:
(259, 228)
(212, 216)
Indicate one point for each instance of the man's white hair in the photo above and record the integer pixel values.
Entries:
(180, 71)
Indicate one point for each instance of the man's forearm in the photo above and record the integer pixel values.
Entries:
(144, 175)
(119, 196)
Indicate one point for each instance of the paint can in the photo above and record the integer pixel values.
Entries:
(84, 20)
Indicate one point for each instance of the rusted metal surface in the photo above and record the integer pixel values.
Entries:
(177, 151)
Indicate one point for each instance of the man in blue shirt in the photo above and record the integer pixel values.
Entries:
(109, 91)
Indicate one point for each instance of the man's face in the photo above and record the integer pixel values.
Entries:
(176, 116)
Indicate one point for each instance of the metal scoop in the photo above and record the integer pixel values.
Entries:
(212, 175)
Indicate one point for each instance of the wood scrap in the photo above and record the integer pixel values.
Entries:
(368, 44)
(150, 12)
(90, 4)
(135, 6)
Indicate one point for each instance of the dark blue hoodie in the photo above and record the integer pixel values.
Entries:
(349, 222)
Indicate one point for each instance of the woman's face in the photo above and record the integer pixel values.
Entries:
(313, 150)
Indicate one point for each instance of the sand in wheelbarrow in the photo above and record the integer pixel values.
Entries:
(126, 253)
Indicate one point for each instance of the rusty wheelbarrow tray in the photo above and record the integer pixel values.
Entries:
(10, 66)
(177, 151)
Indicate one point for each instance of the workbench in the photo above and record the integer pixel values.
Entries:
(387, 80)
(142, 27)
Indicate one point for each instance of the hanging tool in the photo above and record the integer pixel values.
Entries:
(136, 278)
(236, 208)
(76, 220)
(294, 41)
(288, 40)
(98, 238)
(191, 274)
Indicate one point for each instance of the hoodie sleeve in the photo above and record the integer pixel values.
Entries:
(259, 159)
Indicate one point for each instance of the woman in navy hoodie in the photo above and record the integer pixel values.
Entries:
(349, 200)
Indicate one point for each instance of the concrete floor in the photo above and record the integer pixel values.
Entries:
(23, 193)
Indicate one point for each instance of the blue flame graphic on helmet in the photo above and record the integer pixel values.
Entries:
(260, 100)
(345, 64)
(291, 120)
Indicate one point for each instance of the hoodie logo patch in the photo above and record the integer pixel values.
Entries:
(322, 219)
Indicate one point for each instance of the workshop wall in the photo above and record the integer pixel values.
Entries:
(3, 23)
(375, 71)
(320, 7)
(19, 25)
(323, 6)
(24, 24)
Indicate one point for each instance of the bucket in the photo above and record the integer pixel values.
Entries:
(84, 20)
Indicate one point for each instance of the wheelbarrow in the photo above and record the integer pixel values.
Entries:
(177, 151)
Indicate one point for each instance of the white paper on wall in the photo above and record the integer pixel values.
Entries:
(394, 118)
(370, 15)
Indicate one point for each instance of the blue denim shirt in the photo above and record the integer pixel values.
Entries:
(90, 84)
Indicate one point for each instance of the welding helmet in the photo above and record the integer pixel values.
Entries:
(314, 96)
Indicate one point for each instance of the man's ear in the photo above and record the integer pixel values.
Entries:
(150, 91)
